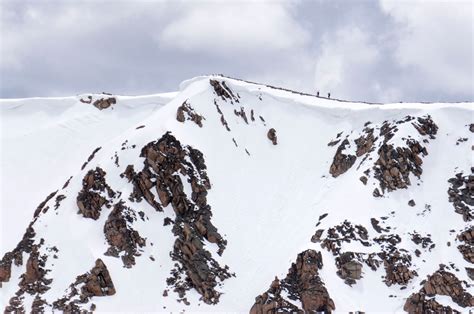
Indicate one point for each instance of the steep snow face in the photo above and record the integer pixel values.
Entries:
(196, 200)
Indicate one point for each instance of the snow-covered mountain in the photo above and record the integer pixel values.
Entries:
(235, 196)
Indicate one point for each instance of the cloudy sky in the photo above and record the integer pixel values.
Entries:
(386, 51)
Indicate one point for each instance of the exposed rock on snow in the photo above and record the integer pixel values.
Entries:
(467, 246)
(461, 194)
(186, 112)
(302, 285)
(92, 155)
(166, 161)
(96, 283)
(157, 204)
(95, 193)
(121, 236)
(223, 91)
(272, 136)
(440, 283)
(341, 162)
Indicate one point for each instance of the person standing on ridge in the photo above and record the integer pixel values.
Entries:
(317, 94)
(329, 95)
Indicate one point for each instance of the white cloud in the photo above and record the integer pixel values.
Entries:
(344, 55)
(235, 27)
(435, 39)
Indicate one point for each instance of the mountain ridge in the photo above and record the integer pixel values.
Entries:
(264, 186)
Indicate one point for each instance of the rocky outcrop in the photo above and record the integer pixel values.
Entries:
(271, 134)
(16, 256)
(301, 285)
(95, 283)
(365, 142)
(349, 268)
(91, 156)
(341, 162)
(467, 247)
(241, 114)
(461, 194)
(121, 237)
(42, 206)
(223, 120)
(394, 165)
(95, 193)
(34, 279)
(104, 103)
(223, 91)
(166, 163)
(186, 112)
(440, 283)
(396, 262)
(393, 162)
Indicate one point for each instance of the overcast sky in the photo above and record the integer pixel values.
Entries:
(386, 51)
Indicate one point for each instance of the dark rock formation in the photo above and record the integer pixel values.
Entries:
(186, 112)
(303, 284)
(467, 248)
(42, 206)
(96, 283)
(120, 236)
(394, 165)
(241, 114)
(104, 103)
(440, 283)
(89, 199)
(223, 91)
(341, 162)
(91, 156)
(272, 136)
(461, 194)
(195, 267)
(365, 142)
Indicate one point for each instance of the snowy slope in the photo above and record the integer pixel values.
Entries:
(267, 201)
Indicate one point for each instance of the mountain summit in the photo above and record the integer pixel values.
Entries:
(235, 196)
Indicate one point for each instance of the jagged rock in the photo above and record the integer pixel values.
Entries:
(365, 143)
(34, 279)
(440, 283)
(411, 203)
(91, 156)
(363, 179)
(120, 236)
(41, 207)
(348, 268)
(471, 127)
(164, 159)
(341, 162)
(303, 284)
(418, 303)
(98, 281)
(467, 249)
(394, 165)
(470, 272)
(241, 114)
(461, 194)
(89, 199)
(185, 111)
(223, 91)
(104, 103)
(272, 136)
(426, 126)
(95, 283)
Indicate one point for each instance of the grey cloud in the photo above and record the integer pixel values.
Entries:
(125, 47)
